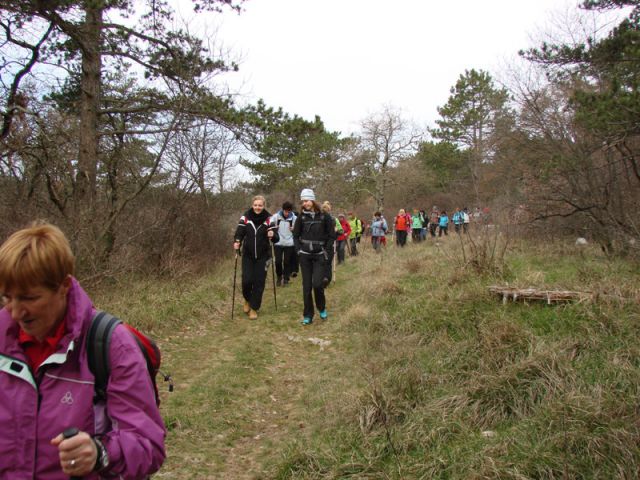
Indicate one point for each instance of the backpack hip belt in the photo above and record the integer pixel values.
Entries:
(313, 243)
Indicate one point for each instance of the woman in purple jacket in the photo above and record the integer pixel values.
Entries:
(46, 386)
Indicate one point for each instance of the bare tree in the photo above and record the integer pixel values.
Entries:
(571, 175)
(386, 139)
(201, 157)
(582, 132)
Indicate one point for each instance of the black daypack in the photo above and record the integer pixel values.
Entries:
(98, 340)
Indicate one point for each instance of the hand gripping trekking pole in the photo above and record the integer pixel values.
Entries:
(68, 433)
(273, 275)
(233, 298)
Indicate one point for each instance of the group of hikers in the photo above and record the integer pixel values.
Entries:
(308, 241)
(418, 224)
(302, 242)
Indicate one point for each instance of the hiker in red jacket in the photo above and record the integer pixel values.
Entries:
(400, 227)
(343, 238)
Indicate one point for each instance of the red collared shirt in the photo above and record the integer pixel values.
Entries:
(37, 352)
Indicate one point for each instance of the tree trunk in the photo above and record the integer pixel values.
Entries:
(89, 106)
(85, 225)
(381, 188)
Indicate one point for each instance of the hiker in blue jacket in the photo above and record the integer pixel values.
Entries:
(284, 250)
(458, 219)
(443, 223)
(378, 230)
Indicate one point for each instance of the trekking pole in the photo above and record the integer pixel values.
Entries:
(233, 298)
(335, 254)
(273, 275)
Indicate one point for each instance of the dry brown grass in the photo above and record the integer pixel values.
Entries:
(501, 343)
(513, 392)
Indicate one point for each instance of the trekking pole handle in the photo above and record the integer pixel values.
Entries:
(68, 433)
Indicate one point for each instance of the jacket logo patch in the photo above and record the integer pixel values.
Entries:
(67, 399)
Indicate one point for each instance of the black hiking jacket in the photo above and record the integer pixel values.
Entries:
(252, 234)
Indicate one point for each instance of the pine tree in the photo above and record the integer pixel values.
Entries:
(471, 117)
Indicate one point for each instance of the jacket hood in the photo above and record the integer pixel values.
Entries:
(281, 213)
(79, 307)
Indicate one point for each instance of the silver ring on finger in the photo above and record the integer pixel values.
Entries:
(72, 463)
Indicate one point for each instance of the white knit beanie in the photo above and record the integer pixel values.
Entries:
(307, 194)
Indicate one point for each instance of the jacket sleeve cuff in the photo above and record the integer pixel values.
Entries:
(115, 456)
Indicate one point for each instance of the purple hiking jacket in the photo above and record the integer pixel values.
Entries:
(32, 412)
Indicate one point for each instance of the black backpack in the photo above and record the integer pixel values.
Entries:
(98, 340)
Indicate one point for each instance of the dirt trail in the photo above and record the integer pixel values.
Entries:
(269, 411)
(274, 415)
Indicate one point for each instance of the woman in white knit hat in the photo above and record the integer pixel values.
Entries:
(313, 236)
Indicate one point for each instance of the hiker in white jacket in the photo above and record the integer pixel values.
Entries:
(284, 249)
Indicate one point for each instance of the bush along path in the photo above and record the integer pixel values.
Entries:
(418, 372)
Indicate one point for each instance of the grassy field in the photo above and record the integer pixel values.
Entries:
(418, 373)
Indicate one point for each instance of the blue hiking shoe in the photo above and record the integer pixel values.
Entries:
(324, 314)
(306, 321)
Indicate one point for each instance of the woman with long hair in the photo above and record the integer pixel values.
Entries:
(313, 236)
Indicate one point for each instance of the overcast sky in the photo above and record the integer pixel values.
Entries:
(345, 59)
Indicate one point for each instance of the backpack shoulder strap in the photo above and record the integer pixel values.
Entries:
(98, 341)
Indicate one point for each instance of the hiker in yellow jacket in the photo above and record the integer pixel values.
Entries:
(356, 233)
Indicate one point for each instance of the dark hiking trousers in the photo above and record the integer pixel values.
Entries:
(254, 274)
(340, 248)
(401, 238)
(313, 270)
(328, 266)
(354, 246)
(284, 261)
(294, 262)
